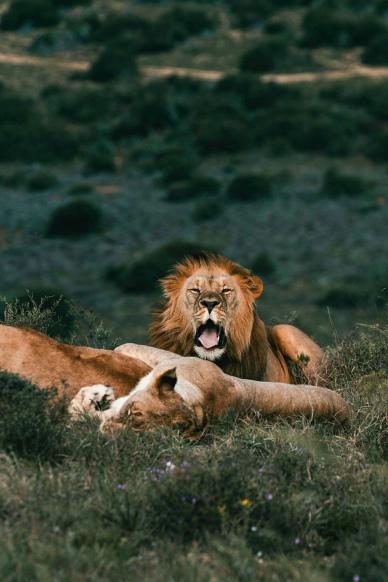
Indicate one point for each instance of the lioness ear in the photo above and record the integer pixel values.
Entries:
(166, 381)
(255, 286)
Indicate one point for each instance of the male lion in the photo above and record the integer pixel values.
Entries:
(209, 312)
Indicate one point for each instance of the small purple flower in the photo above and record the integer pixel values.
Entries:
(193, 500)
(296, 541)
(356, 578)
(269, 497)
(121, 486)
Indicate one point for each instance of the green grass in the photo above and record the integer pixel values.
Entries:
(254, 499)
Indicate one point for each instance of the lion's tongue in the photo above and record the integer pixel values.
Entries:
(209, 338)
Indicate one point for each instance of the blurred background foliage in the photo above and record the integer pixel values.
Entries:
(135, 132)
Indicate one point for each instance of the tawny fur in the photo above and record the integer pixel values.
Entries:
(48, 363)
(187, 392)
(253, 350)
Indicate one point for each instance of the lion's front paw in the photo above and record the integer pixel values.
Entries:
(92, 400)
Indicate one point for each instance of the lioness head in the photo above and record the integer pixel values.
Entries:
(208, 310)
(163, 398)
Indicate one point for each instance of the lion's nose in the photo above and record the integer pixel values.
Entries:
(210, 305)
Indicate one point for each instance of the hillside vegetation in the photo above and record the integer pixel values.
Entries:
(111, 170)
(255, 498)
(102, 167)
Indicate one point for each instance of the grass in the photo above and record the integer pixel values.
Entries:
(254, 499)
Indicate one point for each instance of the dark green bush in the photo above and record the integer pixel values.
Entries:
(376, 51)
(253, 93)
(75, 219)
(36, 13)
(86, 105)
(79, 188)
(31, 425)
(324, 27)
(42, 180)
(116, 25)
(266, 56)
(196, 187)
(12, 178)
(100, 158)
(39, 140)
(377, 146)
(46, 310)
(250, 12)
(143, 275)
(206, 210)
(365, 291)
(27, 135)
(180, 23)
(366, 28)
(175, 166)
(263, 265)
(225, 134)
(116, 60)
(249, 187)
(313, 127)
(336, 184)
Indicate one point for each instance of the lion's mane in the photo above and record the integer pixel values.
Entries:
(248, 339)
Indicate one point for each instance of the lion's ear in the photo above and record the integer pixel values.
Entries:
(169, 285)
(255, 286)
(166, 381)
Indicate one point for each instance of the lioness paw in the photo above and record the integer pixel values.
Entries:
(92, 400)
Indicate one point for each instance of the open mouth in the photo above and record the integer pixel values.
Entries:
(210, 336)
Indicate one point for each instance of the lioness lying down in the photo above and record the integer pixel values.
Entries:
(186, 392)
(154, 386)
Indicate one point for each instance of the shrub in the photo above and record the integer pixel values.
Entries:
(179, 23)
(46, 310)
(223, 135)
(31, 426)
(116, 25)
(263, 264)
(249, 187)
(336, 184)
(42, 181)
(150, 110)
(198, 186)
(37, 141)
(265, 56)
(12, 178)
(366, 28)
(36, 13)
(250, 12)
(206, 210)
(175, 167)
(27, 135)
(377, 146)
(117, 59)
(144, 274)
(75, 219)
(81, 188)
(100, 158)
(361, 292)
(376, 51)
(86, 105)
(253, 93)
(323, 27)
